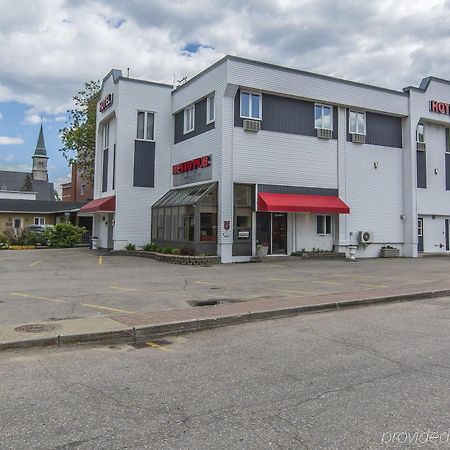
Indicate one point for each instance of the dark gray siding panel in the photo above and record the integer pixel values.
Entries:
(200, 123)
(447, 171)
(297, 190)
(381, 129)
(285, 115)
(105, 171)
(421, 169)
(144, 164)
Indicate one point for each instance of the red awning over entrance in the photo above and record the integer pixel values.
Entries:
(105, 204)
(318, 204)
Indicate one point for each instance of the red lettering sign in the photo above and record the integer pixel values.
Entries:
(440, 107)
(193, 164)
(106, 102)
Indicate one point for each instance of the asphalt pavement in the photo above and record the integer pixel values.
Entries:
(358, 378)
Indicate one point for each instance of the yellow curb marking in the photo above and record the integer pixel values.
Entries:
(159, 347)
(118, 288)
(54, 300)
(100, 260)
(36, 262)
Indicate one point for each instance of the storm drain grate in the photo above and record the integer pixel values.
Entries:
(155, 343)
(35, 328)
(212, 302)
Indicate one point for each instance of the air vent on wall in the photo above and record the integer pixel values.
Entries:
(252, 125)
(324, 134)
(358, 138)
(421, 146)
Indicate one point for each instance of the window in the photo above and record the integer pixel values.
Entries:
(39, 221)
(420, 133)
(83, 189)
(323, 117)
(210, 109)
(189, 119)
(357, 122)
(145, 126)
(323, 224)
(17, 223)
(251, 105)
(105, 135)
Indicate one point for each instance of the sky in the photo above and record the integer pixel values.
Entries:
(49, 48)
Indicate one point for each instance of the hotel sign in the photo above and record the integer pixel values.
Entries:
(440, 107)
(192, 171)
(106, 102)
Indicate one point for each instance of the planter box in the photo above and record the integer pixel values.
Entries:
(261, 252)
(389, 253)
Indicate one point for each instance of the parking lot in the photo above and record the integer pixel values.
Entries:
(42, 285)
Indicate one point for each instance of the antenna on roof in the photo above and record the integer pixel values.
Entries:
(128, 72)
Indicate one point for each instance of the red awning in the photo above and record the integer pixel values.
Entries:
(318, 204)
(105, 204)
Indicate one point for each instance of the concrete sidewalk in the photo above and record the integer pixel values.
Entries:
(157, 323)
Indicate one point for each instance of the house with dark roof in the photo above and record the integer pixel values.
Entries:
(28, 198)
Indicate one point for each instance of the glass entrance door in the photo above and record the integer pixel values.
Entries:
(279, 233)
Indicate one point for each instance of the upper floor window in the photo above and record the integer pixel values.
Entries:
(210, 109)
(189, 119)
(357, 122)
(105, 135)
(251, 105)
(420, 133)
(145, 126)
(323, 117)
(39, 221)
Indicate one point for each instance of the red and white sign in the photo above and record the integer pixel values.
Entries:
(106, 102)
(440, 107)
(193, 164)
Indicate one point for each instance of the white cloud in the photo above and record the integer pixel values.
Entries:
(7, 158)
(60, 119)
(50, 50)
(7, 140)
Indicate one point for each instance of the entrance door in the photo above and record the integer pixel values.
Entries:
(420, 234)
(447, 235)
(279, 233)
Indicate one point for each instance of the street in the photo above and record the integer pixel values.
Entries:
(336, 380)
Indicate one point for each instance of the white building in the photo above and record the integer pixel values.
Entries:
(248, 152)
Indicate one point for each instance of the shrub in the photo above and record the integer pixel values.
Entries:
(3, 242)
(21, 237)
(152, 248)
(64, 235)
(130, 247)
(168, 250)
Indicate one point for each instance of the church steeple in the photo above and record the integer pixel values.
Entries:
(40, 159)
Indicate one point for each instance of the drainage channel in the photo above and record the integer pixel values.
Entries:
(212, 302)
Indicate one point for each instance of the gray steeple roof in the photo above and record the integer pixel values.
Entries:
(40, 146)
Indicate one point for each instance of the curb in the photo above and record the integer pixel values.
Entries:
(185, 326)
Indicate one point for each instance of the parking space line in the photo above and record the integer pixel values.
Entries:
(118, 288)
(351, 275)
(35, 263)
(205, 282)
(324, 282)
(292, 292)
(55, 300)
(100, 260)
(374, 286)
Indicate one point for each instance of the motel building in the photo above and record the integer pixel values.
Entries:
(247, 152)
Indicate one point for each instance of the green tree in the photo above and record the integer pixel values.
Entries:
(78, 136)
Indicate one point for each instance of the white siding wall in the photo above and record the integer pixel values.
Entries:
(268, 157)
(306, 237)
(313, 87)
(133, 204)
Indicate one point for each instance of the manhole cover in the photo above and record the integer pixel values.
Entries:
(35, 328)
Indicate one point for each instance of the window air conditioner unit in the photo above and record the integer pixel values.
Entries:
(421, 146)
(324, 134)
(358, 138)
(252, 125)
(365, 237)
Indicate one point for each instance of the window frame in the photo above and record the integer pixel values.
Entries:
(208, 108)
(423, 134)
(187, 130)
(39, 221)
(146, 113)
(250, 93)
(326, 218)
(363, 113)
(322, 106)
(105, 136)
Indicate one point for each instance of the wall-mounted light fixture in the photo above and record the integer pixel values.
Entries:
(436, 171)
(402, 216)
(375, 164)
